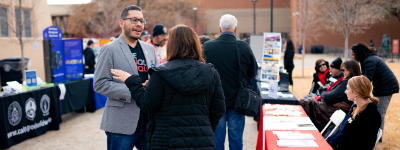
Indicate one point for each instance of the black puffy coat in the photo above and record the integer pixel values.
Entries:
(315, 86)
(184, 100)
(382, 78)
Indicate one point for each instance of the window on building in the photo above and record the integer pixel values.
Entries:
(26, 22)
(3, 21)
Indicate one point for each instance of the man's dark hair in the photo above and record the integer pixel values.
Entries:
(124, 12)
(90, 42)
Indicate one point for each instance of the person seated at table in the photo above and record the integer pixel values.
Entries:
(332, 100)
(321, 75)
(359, 128)
(336, 76)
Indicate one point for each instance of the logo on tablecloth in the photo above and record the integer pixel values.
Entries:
(14, 113)
(30, 109)
(7, 67)
(45, 105)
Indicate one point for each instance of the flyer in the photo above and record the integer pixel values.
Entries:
(271, 56)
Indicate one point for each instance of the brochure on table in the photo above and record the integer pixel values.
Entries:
(30, 78)
(271, 56)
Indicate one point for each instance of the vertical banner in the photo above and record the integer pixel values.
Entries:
(73, 59)
(271, 56)
(30, 78)
(395, 46)
(57, 60)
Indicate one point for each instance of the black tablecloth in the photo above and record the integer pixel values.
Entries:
(28, 115)
(79, 94)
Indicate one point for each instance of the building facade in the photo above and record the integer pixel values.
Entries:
(35, 18)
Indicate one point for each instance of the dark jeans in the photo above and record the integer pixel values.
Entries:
(235, 130)
(89, 71)
(290, 72)
(127, 142)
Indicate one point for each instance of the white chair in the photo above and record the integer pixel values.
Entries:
(380, 132)
(337, 119)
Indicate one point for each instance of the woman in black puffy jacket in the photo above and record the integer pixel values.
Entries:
(184, 97)
(375, 69)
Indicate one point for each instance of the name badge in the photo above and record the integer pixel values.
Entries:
(350, 120)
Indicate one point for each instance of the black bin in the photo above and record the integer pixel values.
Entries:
(11, 69)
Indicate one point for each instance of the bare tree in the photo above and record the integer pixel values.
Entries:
(307, 24)
(391, 6)
(349, 17)
(23, 24)
(102, 20)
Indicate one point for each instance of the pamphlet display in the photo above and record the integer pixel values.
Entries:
(57, 60)
(271, 56)
(30, 78)
(73, 53)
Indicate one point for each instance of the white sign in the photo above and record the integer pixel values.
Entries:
(271, 56)
(273, 89)
(35, 45)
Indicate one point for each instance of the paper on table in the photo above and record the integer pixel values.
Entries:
(295, 136)
(264, 92)
(296, 143)
(287, 123)
(15, 85)
(62, 90)
(284, 132)
(273, 89)
(264, 85)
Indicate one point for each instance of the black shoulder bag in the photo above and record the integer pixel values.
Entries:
(247, 101)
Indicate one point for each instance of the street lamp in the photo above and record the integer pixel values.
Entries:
(138, 2)
(254, 16)
(195, 18)
(272, 14)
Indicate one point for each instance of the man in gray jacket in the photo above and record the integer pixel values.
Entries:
(123, 122)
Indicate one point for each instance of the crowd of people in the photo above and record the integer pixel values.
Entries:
(177, 90)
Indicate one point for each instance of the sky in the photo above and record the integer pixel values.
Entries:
(54, 2)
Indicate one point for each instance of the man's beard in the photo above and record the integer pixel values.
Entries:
(127, 33)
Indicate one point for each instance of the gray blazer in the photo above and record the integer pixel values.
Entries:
(121, 114)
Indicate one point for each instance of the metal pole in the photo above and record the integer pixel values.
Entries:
(195, 18)
(254, 18)
(272, 14)
(138, 2)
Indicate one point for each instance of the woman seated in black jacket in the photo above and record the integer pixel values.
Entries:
(321, 75)
(183, 98)
(360, 127)
(382, 78)
(332, 100)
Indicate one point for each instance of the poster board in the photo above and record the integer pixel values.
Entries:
(73, 53)
(395, 46)
(271, 56)
(57, 60)
(30, 78)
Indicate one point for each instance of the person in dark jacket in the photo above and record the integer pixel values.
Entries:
(375, 69)
(288, 60)
(184, 97)
(359, 128)
(321, 75)
(89, 58)
(333, 98)
(221, 52)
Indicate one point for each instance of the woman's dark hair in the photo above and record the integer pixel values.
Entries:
(319, 61)
(353, 67)
(204, 39)
(361, 51)
(125, 11)
(183, 43)
(289, 46)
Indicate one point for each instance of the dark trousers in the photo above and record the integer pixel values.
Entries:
(124, 142)
(290, 72)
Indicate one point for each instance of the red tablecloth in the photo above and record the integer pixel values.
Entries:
(270, 138)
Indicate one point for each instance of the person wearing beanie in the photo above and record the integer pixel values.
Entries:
(89, 58)
(159, 42)
(145, 36)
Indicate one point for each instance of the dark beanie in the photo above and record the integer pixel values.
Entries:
(336, 63)
(159, 29)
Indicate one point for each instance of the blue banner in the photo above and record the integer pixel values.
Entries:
(52, 32)
(30, 78)
(73, 53)
(57, 60)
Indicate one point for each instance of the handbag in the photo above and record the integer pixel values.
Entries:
(247, 101)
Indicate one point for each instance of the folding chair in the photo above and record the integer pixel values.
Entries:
(337, 119)
(380, 132)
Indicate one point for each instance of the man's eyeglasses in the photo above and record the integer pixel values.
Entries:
(136, 20)
(319, 66)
